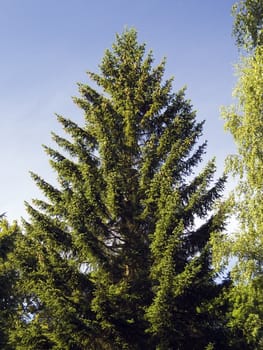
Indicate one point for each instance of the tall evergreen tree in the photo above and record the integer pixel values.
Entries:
(9, 299)
(115, 258)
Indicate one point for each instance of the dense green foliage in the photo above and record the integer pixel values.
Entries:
(118, 256)
(244, 120)
(248, 23)
(9, 299)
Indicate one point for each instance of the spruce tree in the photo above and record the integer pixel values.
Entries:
(115, 256)
(9, 299)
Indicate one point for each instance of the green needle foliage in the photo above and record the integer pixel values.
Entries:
(114, 258)
(9, 300)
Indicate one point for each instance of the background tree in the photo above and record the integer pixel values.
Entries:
(245, 122)
(114, 257)
(9, 300)
(248, 23)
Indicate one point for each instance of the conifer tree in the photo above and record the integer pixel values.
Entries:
(9, 299)
(115, 257)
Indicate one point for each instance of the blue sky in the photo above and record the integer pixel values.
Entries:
(47, 46)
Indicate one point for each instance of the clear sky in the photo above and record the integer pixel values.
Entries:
(47, 46)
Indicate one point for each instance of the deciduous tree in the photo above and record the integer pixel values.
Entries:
(248, 23)
(245, 122)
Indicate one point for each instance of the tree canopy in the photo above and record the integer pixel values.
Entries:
(9, 299)
(118, 255)
(248, 23)
(244, 121)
